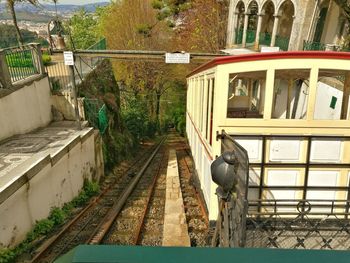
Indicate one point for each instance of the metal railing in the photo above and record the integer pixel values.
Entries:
(298, 224)
(239, 36)
(265, 39)
(20, 63)
(318, 46)
(282, 42)
(251, 34)
(310, 45)
(279, 223)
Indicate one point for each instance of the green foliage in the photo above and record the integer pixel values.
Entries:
(55, 85)
(57, 216)
(170, 8)
(144, 29)
(20, 60)
(84, 29)
(43, 227)
(7, 255)
(137, 119)
(46, 59)
(91, 188)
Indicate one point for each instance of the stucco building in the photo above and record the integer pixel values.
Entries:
(288, 24)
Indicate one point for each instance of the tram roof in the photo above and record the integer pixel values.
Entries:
(271, 56)
(204, 255)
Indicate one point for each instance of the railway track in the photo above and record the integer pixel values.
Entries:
(130, 209)
(145, 203)
(91, 222)
(195, 209)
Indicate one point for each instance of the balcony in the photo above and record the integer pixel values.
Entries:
(318, 46)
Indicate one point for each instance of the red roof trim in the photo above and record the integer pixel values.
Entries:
(270, 56)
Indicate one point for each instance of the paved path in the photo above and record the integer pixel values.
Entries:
(21, 152)
(175, 232)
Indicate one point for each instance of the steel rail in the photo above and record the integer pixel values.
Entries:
(151, 192)
(51, 241)
(106, 223)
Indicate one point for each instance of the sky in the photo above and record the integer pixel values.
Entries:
(78, 2)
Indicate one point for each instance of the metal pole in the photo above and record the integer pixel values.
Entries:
(75, 95)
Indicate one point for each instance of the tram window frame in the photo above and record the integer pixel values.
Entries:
(333, 90)
(241, 102)
(295, 82)
(211, 112)
(207, 108)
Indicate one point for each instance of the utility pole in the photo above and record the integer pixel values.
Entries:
(69, 61)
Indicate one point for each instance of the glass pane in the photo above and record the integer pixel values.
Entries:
(246, 92)
(291, 93)
(331, 104)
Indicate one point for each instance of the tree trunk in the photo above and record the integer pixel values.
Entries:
(11, 6)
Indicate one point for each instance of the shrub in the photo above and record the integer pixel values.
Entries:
(57, 216)
(46, 59)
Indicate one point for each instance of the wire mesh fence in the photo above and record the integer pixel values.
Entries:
(96, 114)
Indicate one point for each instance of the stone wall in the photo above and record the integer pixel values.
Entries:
(25, 109)
(45, 181)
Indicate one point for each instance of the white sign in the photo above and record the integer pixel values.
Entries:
(177, 58)
(269, 49)
(68, 58)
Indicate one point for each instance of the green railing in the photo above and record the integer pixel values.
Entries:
(282, 43)
(310, 45)
(100, 45)
(251, 34)
(23, 62)
(265, 39)
(96, 114)
(239, 36)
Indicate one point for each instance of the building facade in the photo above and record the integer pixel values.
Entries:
(287, 24)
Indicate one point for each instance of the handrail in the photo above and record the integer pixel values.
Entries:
(20, 63)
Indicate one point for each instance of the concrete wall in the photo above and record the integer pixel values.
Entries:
(49, 182)
(26, 109)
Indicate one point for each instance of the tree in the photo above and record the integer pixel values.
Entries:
(133, 25)
(11, 6)
(203, 26)
(84, 29)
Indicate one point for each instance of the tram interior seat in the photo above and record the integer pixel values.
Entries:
(239, 107)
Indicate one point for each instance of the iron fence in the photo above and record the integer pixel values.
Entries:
(265, 39)
(251, 34)
(298, 224)
(20, 63)
(239, 36)
(271, 223)
(282, 42)
(313, 46)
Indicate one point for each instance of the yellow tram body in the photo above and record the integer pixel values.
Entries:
(289, 110)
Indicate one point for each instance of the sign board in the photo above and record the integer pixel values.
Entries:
(177, 58)
(68, 58)
(269, 49)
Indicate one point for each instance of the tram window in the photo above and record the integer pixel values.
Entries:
(291, 94)
(332, 96)
(246, 94)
